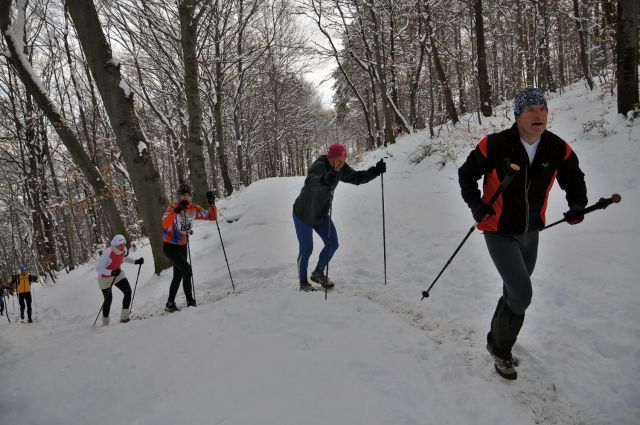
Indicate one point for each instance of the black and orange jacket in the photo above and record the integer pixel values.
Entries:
(175, 225)
(521, 207)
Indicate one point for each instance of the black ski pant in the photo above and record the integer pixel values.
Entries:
(177, 254)
(122, 285)
(514, 255)
(25, 298)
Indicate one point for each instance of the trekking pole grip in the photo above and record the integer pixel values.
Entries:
(600, 205)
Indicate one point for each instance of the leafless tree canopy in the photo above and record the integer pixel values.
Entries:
(107, 106)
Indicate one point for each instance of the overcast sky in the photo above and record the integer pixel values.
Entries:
(319, 71)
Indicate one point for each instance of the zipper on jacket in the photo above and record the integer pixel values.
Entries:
(526, 196)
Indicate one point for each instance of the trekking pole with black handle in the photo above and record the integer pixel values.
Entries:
(102, 306)
(326, 276)
(133, 297)
(511, 173)
(189, 232)
(384, 233)
(193, 282)
(600, 205)
(35, 306)
(212, 201)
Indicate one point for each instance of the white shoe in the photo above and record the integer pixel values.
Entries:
(105, 321)
(124, 316)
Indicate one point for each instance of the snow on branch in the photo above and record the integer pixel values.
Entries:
(14, 35)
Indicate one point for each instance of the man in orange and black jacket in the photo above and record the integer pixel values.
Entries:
(511, 225)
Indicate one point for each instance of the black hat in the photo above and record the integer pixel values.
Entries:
(526, 97)
(184, 188)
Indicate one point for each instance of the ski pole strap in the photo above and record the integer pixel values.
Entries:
(600, 205)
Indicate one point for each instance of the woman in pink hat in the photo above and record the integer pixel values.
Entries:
(311, 209)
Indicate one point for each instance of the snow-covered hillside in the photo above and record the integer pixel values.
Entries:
(369, 354)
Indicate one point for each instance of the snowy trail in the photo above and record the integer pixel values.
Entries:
(467, 350)
(370, 353)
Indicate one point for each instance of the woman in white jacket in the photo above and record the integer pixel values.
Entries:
(110, 274)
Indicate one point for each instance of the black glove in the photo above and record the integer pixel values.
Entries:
(380, 167)
(211, 197)
(115, 272)
(575, 214)
(181, 206)
(329, 179)
(139, 261)
(481, 210)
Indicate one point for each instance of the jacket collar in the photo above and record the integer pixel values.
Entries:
(545, 139)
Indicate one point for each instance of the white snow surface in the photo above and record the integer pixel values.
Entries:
(370, 353)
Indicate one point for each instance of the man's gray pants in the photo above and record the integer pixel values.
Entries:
(514, 255)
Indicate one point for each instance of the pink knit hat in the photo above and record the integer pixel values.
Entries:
(337, 150)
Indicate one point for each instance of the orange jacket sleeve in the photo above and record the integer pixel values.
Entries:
(169, 216)
(202, 214)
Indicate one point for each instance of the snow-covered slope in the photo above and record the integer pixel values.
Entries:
(369, 354)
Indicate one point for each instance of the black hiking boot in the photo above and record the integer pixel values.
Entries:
(171, 307)
(319, 277)
(306, 287)
(506, 367)
(191, 303)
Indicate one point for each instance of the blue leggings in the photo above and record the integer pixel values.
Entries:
(304, 232)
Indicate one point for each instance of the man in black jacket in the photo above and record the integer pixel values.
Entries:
(311, 209)
(511, 225)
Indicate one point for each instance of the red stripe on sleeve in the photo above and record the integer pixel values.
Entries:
(569, 151)
(482, 146)
(543, 210)
(491, 185)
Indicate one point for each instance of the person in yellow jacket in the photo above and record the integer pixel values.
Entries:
(24, 280)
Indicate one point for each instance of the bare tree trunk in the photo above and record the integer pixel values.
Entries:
(218, 84)
(584, 59)
(415, 82)
(483, 77)
(238, 96)
(64, 235)
(393, 83)
(389, 122)
(627, 55)
(547, 82)
(317, 6)
(194, 144)
(462, 106)
(446, 89)
(220, 140)
(561, 58)
(211, 151)
(68, 137)
(432, 101)
(118, 101)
